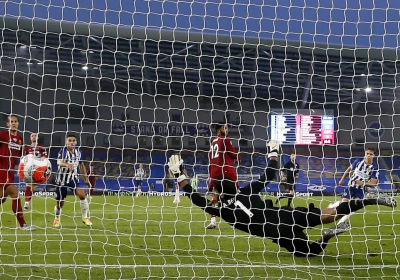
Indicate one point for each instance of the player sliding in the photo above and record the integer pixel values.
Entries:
(37, 151)
(246, 211)
(68, 161)
(222, 158)
(10, 152)
(365, 174)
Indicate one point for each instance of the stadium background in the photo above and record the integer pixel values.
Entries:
(233, 63)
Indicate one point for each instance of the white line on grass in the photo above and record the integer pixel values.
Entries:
(210, 266)
(116, 234)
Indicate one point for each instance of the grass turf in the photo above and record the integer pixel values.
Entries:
(151, 238)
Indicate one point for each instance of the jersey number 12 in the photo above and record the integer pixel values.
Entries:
(214, 151)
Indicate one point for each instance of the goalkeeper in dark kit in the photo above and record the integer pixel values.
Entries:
(244, 209)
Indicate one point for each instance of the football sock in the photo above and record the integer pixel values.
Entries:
(57, 212)
(17, 209)
(84, 208)
(28, 193)
(213, 220)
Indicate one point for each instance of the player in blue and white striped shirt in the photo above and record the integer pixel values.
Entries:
(140, 174)
(68, 160)
(365, 174)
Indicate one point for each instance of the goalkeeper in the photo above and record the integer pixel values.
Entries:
(246, 211)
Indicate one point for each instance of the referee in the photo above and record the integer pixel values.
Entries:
(289, 175)
(245, 211)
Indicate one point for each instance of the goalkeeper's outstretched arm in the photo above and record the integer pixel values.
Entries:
(198, 200)
(270, 173)
(175, 166)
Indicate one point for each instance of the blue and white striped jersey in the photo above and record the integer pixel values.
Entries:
(64, 175)
(363, 172)
(140, 174)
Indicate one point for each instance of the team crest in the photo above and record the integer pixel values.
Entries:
(15, 139)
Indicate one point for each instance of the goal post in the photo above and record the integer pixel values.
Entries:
(139, 81)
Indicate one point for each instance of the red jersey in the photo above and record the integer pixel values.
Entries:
(37, 151)
(10, 153)
(92, 178)
(222, 158)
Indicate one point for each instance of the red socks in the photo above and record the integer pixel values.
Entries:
(17, 209)
(28, 193)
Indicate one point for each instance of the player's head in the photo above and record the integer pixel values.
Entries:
(369, 153)
(293, 157)
(71, 141)
(91, 167)
(141, 166)
(34, 137)
(12, 123)
(221, 129)
(225, 188)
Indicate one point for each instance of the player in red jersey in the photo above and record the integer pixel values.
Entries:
(37, 151)
(92, 179)
(222, 157)
(10, 152)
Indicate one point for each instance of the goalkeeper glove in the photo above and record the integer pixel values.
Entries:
(175, 165)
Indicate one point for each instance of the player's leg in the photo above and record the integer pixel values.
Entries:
(91, 190)
(287, 187)
(292, 189)
(60, 196)
(213, 221)
(138, 184)
(329, 215)
(3, 196)
(177, 198)
(80, 193)
(12, 191)
(29, 190)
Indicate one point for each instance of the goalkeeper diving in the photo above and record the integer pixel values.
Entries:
(244, 209)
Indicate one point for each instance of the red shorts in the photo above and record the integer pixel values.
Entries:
(230, 176)
(6, 178)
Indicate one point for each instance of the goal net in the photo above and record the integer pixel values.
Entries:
(139, 81)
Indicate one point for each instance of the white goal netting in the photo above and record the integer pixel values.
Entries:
(139, 81)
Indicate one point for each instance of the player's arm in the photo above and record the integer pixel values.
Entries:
(61, 160)
(296, 174)
(347, 172)
(175, 166)
(25, 151)
(82, 169)
(198, 200)
(44, 152)
(231, 150)
(3, 137)
(372, 182)
(269, 175)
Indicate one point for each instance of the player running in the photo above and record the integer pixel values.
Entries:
(246, 211)
(10, 152)
(68, 161)
(37, 151)
(140, 174)
(222, 156)
(365, 174)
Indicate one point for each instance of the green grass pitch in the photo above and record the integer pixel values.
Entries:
(151, 238)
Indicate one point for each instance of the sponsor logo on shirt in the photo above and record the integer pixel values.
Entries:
(14, 146)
